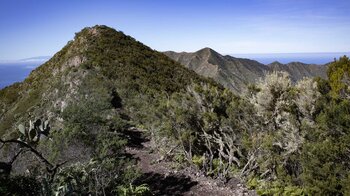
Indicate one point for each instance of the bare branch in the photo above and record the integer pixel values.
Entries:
(33, 150)
(15, 157)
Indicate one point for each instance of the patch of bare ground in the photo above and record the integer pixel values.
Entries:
(164, 179)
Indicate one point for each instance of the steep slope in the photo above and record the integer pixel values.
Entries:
(92, 91)
(98, 53)
(298, 70)
(233, 73)
(97, 89)
(104, 90)
(236, 73)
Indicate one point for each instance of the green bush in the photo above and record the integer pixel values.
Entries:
(132, 190)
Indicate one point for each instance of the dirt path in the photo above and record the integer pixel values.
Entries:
(164, 179)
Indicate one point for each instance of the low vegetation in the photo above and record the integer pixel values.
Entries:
(280, 137)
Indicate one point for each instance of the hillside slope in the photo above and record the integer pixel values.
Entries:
(92, 91)
(237, 73)
(233, 73)
(99, 53)
(113, 103)
(298, 70)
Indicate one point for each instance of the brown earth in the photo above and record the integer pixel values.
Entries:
(165, 179)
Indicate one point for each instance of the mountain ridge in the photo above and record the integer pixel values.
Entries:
(112, 102)
(93, 91)
(99, 51)
(237, 73)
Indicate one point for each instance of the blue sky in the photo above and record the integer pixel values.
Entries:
(39, 28)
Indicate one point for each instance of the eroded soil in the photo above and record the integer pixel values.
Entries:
(165, 179)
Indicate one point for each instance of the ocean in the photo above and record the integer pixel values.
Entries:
(309, 58)
(16, 72)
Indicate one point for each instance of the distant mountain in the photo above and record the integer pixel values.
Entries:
(237, 73)
(298, 70)
(233, 73)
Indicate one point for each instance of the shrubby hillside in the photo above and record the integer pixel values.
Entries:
(237, 73)
(279, 137)
(92, 91)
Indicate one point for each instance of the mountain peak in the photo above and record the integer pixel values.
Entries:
(236, 73)
(97, 30)
(296, 63)
(293, 63)
(276, 63)
(207, 50)
(98, 55)
(210, 54)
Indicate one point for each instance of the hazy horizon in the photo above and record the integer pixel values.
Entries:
(44, 58)
(18, 70)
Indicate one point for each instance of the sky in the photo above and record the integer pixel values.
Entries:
(30, 28)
